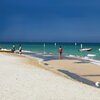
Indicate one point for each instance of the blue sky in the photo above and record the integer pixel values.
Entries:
(50, 20)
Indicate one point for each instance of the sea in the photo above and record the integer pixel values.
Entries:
(69, 49)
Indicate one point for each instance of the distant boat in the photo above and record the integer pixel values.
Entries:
(85, 49)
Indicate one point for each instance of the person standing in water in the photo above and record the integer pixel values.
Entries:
(13, 49)
(60, 52)
(20, 50)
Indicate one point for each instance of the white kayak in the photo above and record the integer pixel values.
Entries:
(85, 49)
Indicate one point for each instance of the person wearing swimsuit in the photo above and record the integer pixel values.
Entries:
(60, 52)
(20, 50)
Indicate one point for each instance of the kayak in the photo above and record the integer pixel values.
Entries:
(85, 49)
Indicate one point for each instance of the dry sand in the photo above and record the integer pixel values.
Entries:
(21, 79)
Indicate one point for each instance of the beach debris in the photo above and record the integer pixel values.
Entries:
(97, 84)
(46, 64)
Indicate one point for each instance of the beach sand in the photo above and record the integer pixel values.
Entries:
(82, 68)
(23, 78)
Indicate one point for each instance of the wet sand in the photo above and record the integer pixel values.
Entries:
(79, 67)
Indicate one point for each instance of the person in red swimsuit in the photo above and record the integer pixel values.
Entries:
(60, 52)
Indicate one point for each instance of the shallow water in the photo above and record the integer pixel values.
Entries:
(51, 48)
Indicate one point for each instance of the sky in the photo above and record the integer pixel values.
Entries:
(49, 20)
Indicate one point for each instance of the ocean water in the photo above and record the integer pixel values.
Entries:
(51, 48)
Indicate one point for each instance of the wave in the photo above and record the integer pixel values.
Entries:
(50, 56)
(93, 61)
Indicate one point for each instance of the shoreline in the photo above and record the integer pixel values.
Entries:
(66, 73)
(27, 52)
(93, 61)
(69, 74)
(39, 63)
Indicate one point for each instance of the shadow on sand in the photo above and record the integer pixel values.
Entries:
(98, 75)
(67, 73)
(82, 61)
(78, 78)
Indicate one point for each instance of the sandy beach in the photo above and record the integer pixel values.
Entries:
(82, 68)
(22, 78)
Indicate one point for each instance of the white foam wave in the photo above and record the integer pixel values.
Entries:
(93, 61)
(26, 51)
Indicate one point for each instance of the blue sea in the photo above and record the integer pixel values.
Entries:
(52, 48)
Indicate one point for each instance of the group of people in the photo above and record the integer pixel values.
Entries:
(14, 48)
(60, 50)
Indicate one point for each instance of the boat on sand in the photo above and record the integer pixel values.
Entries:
(5, 50)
